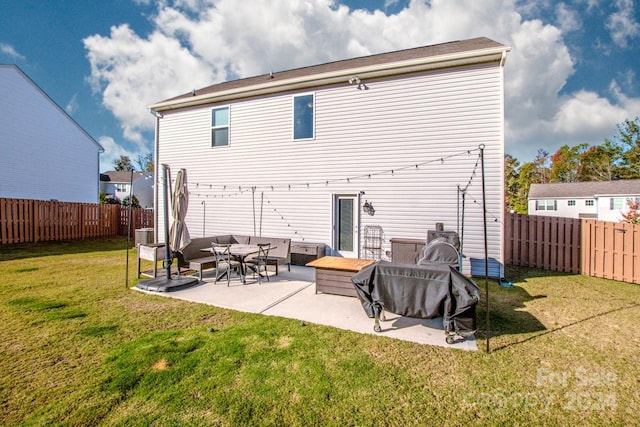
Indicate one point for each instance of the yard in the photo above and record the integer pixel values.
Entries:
(80, 348)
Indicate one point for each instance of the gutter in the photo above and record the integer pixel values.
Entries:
(497, 54)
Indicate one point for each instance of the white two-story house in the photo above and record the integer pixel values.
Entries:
(319, 153)
(601, 200)
(117, 184)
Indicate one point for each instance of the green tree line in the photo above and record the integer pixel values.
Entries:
(615, 158)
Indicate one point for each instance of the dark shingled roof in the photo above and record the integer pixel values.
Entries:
(626, 187)
(365, 61)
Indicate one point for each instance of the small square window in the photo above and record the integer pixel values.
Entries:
(588, 202)
(220, 127)
(571, 203)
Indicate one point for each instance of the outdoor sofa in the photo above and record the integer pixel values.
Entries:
(193, 257)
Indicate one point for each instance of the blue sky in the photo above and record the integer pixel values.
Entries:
(571, 76)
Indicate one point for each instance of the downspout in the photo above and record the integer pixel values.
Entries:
(502, 191)
(158, 116)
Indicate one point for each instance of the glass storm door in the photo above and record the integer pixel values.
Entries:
(346, 225)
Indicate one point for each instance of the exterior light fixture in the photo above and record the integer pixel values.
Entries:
(368, 208)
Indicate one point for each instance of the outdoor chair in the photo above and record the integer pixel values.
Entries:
(224, 263)
(257, 262)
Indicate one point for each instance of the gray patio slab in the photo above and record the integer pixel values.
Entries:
(292, 295)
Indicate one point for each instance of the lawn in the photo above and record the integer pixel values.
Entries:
(80, 348)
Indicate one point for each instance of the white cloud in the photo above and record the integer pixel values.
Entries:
(622, 24)
(196, 43)
(72, 105)
(568, 18)
(112, 152)
(8, 50)
(132, 72)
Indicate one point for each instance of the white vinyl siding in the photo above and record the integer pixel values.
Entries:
(395, 124)
(45, 154)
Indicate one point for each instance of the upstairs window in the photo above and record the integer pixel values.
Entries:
(571, 202)
(588, 202)
(220, 127)
(303, 117)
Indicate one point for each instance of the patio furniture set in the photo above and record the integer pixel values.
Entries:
(225, 253)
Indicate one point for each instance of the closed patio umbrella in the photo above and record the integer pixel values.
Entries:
(178, 234)
(176, 238)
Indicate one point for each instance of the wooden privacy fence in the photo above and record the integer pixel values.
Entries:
(596, 248)
(610, 250)
(550, 243)
(24, 221)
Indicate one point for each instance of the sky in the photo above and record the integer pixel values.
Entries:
(571, 76)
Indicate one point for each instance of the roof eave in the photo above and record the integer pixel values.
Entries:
(457, 59)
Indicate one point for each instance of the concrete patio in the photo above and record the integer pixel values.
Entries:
(292, 295)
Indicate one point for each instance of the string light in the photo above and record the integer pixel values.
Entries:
(415, 166)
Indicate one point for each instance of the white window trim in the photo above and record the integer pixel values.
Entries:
(293, 118)
(212, 127)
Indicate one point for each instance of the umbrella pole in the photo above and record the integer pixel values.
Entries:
(126, 281)
(167, 251)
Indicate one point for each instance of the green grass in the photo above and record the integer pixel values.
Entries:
(80, 348)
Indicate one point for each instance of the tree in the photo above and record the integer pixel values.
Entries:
(511, 187)
(134, 201)
(108, 199)
(629, 138)
(600, 162)
(145, 163)
(542, 169)
(633, 215)
(123, 164)
(566, 164)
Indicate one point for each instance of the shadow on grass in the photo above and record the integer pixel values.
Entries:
(64, 247)
(516, 274)
(505, 311)
(48, 309)
(559, 328)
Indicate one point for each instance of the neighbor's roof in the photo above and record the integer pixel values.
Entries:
(465, 52)
(623, 187)
(119, 176)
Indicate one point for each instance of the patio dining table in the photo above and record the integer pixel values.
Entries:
(240, 251)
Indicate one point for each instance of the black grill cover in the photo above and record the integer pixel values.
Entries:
(419, 291)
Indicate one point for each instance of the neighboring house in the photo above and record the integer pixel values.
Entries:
(117, 185)
(602, 200)
(303, 153)
(45, 153)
